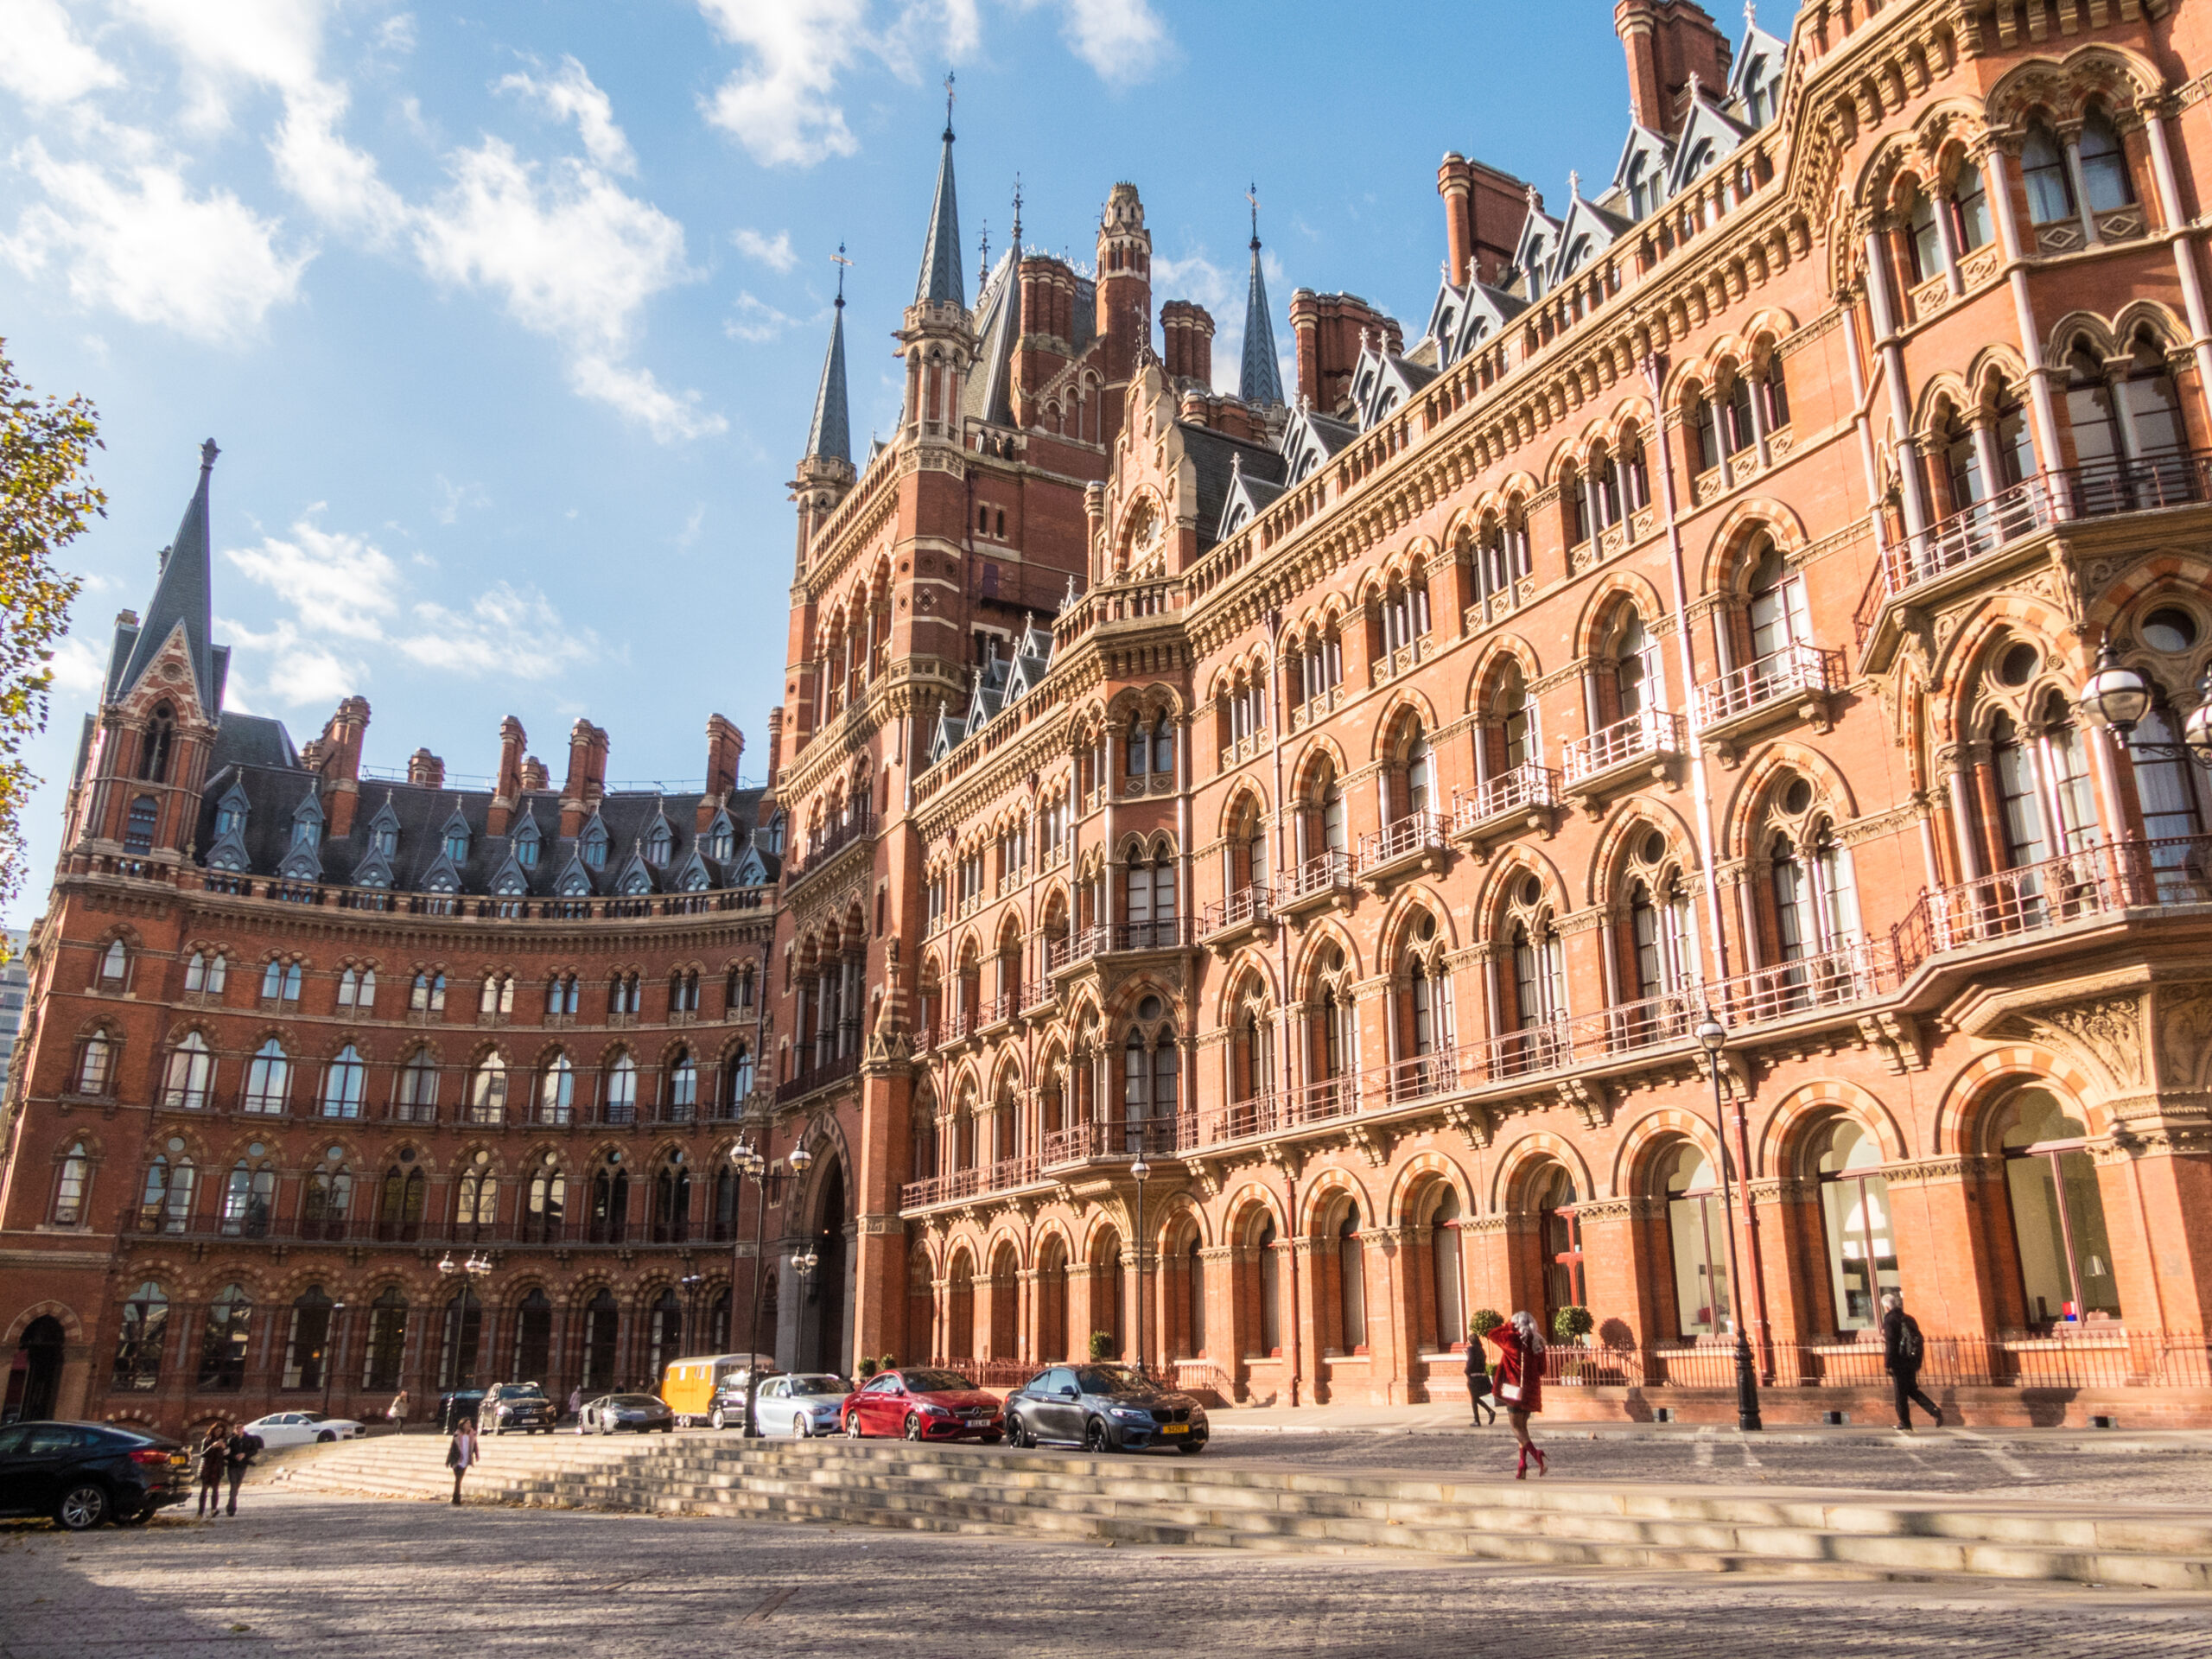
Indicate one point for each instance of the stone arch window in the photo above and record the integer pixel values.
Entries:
(1423, 1023)
(206, 973)
(1862, 1252)
(1149, 747)
(94, 1074)
(1702, 420)
(546, 1202)
(626, 995)
(153, 754)
(427, 994)
(1778, 617)
(1149, 898)
(533, 1349)
(2157, 435)
(399, 1201)
(1532, 987)
(1245, 851)
(1150, 1063)
(139, 825)
(1332, 1031)
(280, 981)
(417, 1102)
(249, 1196)
(385, 1352)
(2090, 413)
(683, 991)
(223, 1340)
(1351, 1283)
(497, 997)
(1507, 738)
(560, 996)
(557, 1090)
(268, 1079)
(1317, 666)
(742, 1072)
(344, 1082)
(1656, 951)
(672, 1222)
(357, 988)
(740, 992)
(1323, 828)
(922, 1140)
(2104, 165)
(1559, 1235)
(476, 1198)
(460, 1339)
(143, 1340)
(1267, 1286)
(1007, 1137)
(73, 1178)
(1697, 1238)
(663, 1332)
(307, 1344)
(1969, 207)
(610, 1201)
(326, 1196)
(2059, 1237)
(602, 1327)
(165, 1200)
(115, 966)
(1574, 505)
(1445, 1310)
(682, 1087)
(487, 1092)
(1626, 679)
(1923, 238)
(1251, 1056)
(1408, 785)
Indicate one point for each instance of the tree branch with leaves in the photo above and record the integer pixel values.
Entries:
(46, 500)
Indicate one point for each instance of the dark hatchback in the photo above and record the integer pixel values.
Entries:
(521, 1406)
(459, 1403)
(1103, 1408)
(83, 1473)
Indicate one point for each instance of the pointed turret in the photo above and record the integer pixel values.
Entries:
(183, 598)
(830, 437)
(1260, 381)
(940, 281)
(938, 338)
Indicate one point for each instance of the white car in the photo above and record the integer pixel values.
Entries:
(301, 1428)
(800, 1404)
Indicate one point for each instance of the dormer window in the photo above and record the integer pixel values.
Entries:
(303, 832)
(773, 837)
(527, 846)
(660, 844)
(636, 882)
(574, 885)
(510, 885)
(457, 843)
(385, 837)
(720, 843)
(230, 816)
(596, 845)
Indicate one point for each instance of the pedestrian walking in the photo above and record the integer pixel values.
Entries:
(1903, 1350)
(239, 1455)
(1521, 1384)
(396, 1413)
(576, 1406)
(1478, 1390)
(462, 1454)
(213, 1459)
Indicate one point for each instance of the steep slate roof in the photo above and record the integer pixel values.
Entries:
(1215, 456)
(989, 392)
(940, 281)
(182, 598)
(829, 436)
(1259, 380)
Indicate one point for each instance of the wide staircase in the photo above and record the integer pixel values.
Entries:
(1149, 1500)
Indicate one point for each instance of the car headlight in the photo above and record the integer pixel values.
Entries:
(935, 1411)
(1130, 1416)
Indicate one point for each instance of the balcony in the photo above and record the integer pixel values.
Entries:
(1415, 843)
(997, 1011)
(1523, 797)
(1323, 880)
(2096, 883)
(1086, 1143)
(1242, 915)
(1169, 933)
(811, 1079)
(859, 825)
(1002, 1177)
(1079, 947)
(1964, 538)
(1644, 743)
(1800, 676)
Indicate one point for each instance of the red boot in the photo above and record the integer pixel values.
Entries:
(1521, 1469)
(1540, 1461)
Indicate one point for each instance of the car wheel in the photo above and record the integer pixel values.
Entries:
(85, 1504)
(913, 1425)
(326, 1437)
(801, 1428)
(715, 1418)
(607, 1426)
(852, 1431)
(1190, 1448)
(1096, 1439)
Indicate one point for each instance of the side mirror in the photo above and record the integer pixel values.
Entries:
(1067, 1391)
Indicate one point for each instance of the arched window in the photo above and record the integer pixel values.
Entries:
(1780, 617)
(1150, 1061)
(248, 1198)
(1335, 1040)
(533, 1356)
(2043, 169)
(268, 1078)
(1447, 1301)
(343, 1084)
(659, 843)
(557, 1090)
(487, 1090)
(280, 981)
(461, 1334)
(70, 1180)
(1970, 208)
(326, 1196)
(1148, 901)
(456, 840)
(1855, 1213)
(1270, 1288)
(1560, 1230)
(2155, 409)
(741, 1070)
(671, 1221)
(115, 965)
(603, 1327)
(399, 1204)
(560, 996)
(622, 1096)
(476, 1201)
(307, 1344)
(206, 973)
(1351, 1284)
(497, 996)
(546, 1202)
(2058, 1212)
(95, 1065)
(357, 988)
(2104, 165)
(2020, 816)
(1424, 999)
(386, 1349)
(165, 1203)
(1923, 237)
(428, 994)
(610, 1201)
(223, 1339)
(683, 1088)
(1632, 667)
(145, 1336)
(663, 1332)
(1697, 1231)
(418, 1089)
(154, 757)
(138, 828)
(2096, 428)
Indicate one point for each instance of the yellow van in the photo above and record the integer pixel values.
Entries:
(690, 1385)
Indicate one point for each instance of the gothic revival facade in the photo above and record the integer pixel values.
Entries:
(1343, 802)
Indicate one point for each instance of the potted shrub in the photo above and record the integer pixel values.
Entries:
(1571, 1324)
(868, 1367)
(1101, 1345)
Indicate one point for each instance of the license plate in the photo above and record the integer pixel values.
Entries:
(1174, 1428)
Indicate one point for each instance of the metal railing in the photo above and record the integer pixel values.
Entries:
(1527, 787)
(1791, 671)
(1082, 1143)
(2095, 881)
(819, 1074)
(1324, 873)
(2084, 1356)
(1648, 732)
(1410, 836)
(1169, 933)
(1005, 1173)
(1079, 946)
(1243, 908)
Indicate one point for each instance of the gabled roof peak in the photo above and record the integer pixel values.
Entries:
(183, 598)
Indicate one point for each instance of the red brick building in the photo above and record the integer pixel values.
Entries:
(1349, 797)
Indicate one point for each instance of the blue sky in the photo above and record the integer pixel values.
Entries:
(508, 317)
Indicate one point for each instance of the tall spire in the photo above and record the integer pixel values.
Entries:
(1260, 381)
(940, 283)
(183, 597)
(830, 436)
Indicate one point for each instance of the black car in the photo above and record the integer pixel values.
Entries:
(1103, 1408)
(459, 1403)
(522, 1407)
(83, 1473)
(728, 1409)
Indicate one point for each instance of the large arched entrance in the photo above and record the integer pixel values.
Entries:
(826, 1320)
(35, 1376)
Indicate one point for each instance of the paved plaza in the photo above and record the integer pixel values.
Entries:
(341, 1577)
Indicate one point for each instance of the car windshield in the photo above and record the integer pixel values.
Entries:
(1114, 1379)
(634, 1399)
(818, 1385)
(936, 1383)
(315, 1417)
(521, 1391)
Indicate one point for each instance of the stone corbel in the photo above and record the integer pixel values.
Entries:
(1369, 1142)
(1205, 1174)
(1895, 1035)
(1472, 1121)
(1590, 1100)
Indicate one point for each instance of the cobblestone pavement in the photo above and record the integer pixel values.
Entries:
(341, 1577)
(2076, 1469)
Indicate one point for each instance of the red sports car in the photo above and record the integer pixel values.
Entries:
(924, 1405)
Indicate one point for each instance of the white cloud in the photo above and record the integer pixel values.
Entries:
(396, 32)
(571, 94)
(45, 63)
(79, 668)
(509, 630)
(336, 181)
(1122, 40)
(668, 415)
(267, 43)
(453, 497)
(141, 243)
(755, 320)
(778, 105)
(338, 583)
(774, 251)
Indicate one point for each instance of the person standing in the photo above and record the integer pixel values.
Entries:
(1903, 1350)
(1478, 1391)
(1521, 1383)
(396, 1413)
(214, 1457)
(462, 1453)
(576, 1406)
(239, 1455)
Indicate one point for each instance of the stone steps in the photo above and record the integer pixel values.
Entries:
(1152, 1500)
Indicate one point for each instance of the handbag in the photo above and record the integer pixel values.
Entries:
(1510, 1392)
(1477, 1383)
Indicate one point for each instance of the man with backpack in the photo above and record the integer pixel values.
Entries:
(239, 1453)
(1903, 1350)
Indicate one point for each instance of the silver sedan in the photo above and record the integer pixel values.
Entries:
(613, 1413)
(800, 1404)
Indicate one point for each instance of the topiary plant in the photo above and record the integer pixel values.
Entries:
(1101, 1345)
(1483, 1321)
(1571, 1323)
(867, 1368)
(888, 1363)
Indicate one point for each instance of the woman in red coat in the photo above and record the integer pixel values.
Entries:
(1521, 1383)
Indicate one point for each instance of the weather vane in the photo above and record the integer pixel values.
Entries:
(843, 263)
(949, 100)
(1252, 195)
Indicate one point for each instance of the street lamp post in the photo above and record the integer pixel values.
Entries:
(471, 1273)
(753, 1167)
(329, 1347)
(691, 1282)
(1140, 1172)
(1713, 1037)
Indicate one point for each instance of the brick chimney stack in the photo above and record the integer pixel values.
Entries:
(426, 770)
(337, 755)
(1186, 343)
(725, 751)
(533, 773)
(1484, 211)
(775, 743)
(587, 779)
(1329, 328)
(1667, 42)
(508, 795)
